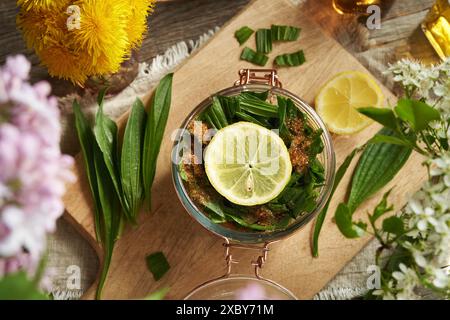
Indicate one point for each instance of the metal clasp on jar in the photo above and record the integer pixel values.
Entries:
(258, 76)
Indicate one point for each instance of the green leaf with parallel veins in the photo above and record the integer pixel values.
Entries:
(230, 106)
(417, 113)
(378, 165)
(105, 131)
(284, 33)
(257, 107)
(257, 58)
(130, 165)
(243, 34)
(291, 59)
(110, 218)
(282, 110)
(245, 224)
(246, 117)
(154, 131)
(260, 95)
(88, 145)
(264, 41)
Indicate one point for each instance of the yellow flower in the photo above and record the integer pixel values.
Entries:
(65, 64)
(102, 34)
(38, 26)
(97, 44)
(137, 20)
(42, 4)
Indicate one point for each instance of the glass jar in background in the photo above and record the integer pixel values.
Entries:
(436, 27)
(353, 6)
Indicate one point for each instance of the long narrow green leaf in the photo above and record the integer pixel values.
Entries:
(101, 96)
(156, 124)
(230, 106)
(257, 107)
(110, 206)
(133, 142)
(321, 216)
(105, 131)
(87, 143)
(246, 117)
(282, 110)
(253, 226)
(219, 114)
(260, 95)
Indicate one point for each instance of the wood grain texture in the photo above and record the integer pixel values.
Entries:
(194, 254)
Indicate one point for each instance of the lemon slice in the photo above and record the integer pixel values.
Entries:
(338, 100)
(247, 164)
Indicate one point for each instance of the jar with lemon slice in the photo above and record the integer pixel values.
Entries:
(253, 163)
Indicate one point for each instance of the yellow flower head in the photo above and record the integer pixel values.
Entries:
(42, 4)
(137, 20)
(39, 26)
(95, 44)
(65, 64)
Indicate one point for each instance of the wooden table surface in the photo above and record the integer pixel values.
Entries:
(173, 21)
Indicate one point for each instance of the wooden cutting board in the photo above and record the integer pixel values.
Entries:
(194, 254)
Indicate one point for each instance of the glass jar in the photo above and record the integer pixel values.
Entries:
(250, 80)
(240, 287)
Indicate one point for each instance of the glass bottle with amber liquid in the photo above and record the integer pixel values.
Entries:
(353, 6)
(436, 27)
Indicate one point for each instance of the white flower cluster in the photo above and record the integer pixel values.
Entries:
(428, 217)
(414, 77)
(431, 83)
(427, 213)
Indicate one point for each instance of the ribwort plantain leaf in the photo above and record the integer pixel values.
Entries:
(130, 164)
(87, 142)
(154, 131)
(378, 165)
